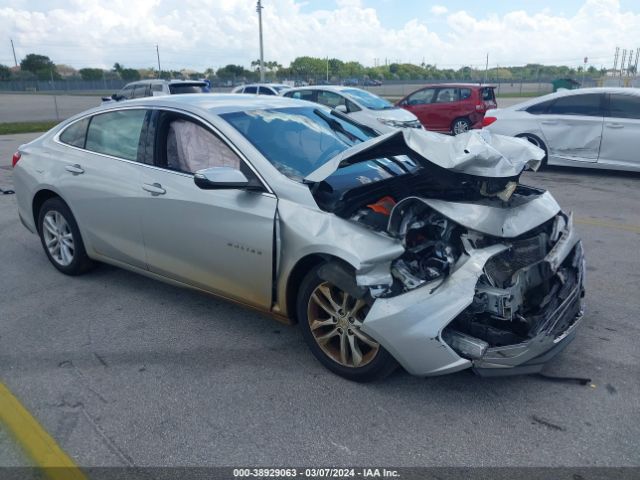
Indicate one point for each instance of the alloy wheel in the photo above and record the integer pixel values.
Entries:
(335, 320)
(58, 238)
(460, 126)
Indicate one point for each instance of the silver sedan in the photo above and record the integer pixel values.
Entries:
(590, 127)
(409, 248)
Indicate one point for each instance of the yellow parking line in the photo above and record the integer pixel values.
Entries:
(35, 441)
(615, 226)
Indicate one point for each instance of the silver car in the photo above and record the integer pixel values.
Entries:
(590, 127)
(362, 106)
(409, 248)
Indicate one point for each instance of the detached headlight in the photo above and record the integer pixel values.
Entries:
(432, 249)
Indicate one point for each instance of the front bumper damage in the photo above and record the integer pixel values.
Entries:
(413, 326)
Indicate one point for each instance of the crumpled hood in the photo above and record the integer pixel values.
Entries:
(477, 152)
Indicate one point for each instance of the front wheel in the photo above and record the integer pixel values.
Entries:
(460, 125)
(331, 322)
(537, 141)
(61, 239)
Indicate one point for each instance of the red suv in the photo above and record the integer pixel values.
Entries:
(450, 107)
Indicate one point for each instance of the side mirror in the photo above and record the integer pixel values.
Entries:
(220, 178)
(107, 99)
(341, 109)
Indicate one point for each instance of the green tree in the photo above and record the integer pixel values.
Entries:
(129, 74)
(5, 72)
(39, 65)
(91, 73)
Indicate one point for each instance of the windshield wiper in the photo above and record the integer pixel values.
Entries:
(336, 126)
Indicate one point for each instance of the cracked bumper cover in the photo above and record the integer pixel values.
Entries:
(410, 325)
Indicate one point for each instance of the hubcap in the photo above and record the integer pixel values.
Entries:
(335, 319)
(58, 238)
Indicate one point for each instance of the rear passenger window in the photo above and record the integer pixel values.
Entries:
(116, 133)
(465, 93)
(625, 106)
(140, 91)
(266, 91)
(588, 105)
(446, 95)
(75, 133)
(540, 108)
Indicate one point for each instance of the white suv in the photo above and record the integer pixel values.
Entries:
(153, 88)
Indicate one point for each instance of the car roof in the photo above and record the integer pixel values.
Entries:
(330, 88)
(161, 81)
(458, 85)
(577, 91)
(263, 85)
(216, 103)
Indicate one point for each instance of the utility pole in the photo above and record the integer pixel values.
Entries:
(327, 70)
(158, 55)
(259, 10)
(15, 59)
(486, 69)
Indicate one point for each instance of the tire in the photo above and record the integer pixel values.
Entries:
(362, 359)
(460, 125)
(537, 141)
(60, 238)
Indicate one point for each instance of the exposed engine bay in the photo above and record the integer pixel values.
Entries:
(527, 290)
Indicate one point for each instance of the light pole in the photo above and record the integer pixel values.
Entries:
(259, 10)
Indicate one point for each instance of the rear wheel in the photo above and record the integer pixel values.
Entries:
(61, 239)
(460, 125)
(537, 141)
(331, 322)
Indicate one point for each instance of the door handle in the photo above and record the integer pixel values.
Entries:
(154, 188)
(75, 169)
(549, 122)
(614, 125)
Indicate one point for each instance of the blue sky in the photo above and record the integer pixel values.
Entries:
(198, 34)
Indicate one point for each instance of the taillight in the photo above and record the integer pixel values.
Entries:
(486, 121)
(15, 159)
(480, 107)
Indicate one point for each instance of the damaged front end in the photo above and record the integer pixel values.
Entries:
(492, 273)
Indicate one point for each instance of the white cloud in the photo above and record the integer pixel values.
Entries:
(439, 9)
(204, 33)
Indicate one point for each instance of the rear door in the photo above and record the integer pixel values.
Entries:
(217, 240)
(101, 182)
(621, 132)
(572, 127)
(419, 104)
(443, 109)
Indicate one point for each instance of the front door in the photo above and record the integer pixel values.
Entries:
(419, 104)
(217, 240)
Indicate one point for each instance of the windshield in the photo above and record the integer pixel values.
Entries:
(297, 140)
(368, 100)
(279, 88)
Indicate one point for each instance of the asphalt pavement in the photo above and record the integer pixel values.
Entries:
(122, 370)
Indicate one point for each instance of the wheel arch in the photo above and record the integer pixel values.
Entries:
(38, 200)
(298, 272)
